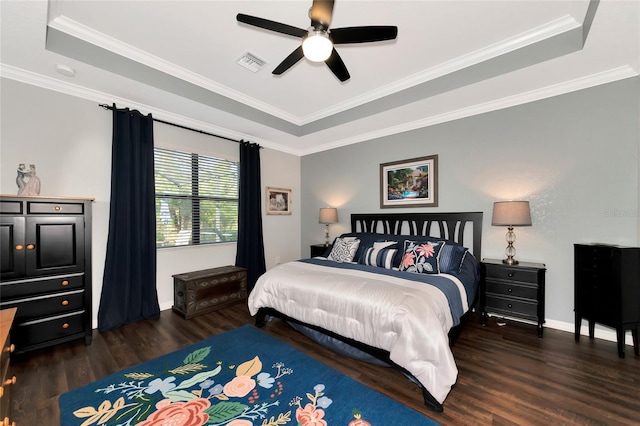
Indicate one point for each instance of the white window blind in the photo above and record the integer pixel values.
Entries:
(196, 199)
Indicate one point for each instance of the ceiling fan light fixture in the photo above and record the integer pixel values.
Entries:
(317, 46)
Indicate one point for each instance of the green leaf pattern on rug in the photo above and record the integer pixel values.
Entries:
(199, 398)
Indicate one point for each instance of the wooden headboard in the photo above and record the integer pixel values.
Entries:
(448, 226)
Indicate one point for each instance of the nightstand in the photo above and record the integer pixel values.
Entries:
(515, 291)
(318, 249)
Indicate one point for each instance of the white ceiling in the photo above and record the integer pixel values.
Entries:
(177, 60)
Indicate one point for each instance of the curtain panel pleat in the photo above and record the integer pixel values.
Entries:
(250, 252)
(129, 290)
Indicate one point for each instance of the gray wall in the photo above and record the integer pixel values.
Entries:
(69, 141)
(574, 157)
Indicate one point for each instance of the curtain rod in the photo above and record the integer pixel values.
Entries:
(105, 106)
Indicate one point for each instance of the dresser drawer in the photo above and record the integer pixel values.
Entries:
(11, 207)
(512, 307)
(594, 258)
(512, 289)
(39, 286)
(37, 207)
(47, 305)
(39, 331)
(511, 274)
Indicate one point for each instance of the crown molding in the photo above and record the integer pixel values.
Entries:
(89, 35)
(49, 83)
(604, 77)
(535, 35)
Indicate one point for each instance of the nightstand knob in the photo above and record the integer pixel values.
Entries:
(509, 290)
(65, 325)
(510, 305)
(65, 302)
(510, 274)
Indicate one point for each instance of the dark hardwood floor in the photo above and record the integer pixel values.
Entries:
(507, 376)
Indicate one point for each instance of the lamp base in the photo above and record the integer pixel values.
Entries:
(510, 261)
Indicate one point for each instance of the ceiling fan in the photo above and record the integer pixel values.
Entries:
(318, 40)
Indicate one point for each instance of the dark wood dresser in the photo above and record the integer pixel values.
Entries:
(199, 292)
(46, 269)
(515, 291)
(6, 321)
(607, 290)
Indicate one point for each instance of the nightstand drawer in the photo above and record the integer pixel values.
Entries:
(513, 290)
(512, 274)
(512, 307)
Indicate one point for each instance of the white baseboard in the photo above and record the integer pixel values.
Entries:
(600, 333)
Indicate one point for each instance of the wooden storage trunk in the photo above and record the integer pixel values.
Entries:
(200, 292)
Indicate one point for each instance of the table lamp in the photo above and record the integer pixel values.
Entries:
(328, 215)
(510, 214)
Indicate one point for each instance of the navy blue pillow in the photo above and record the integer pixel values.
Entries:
(421, 256)
(451, 258)
(367, 239)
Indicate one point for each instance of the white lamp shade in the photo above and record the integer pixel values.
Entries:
(328, 215)
(511, 213)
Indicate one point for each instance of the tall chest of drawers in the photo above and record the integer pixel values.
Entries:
(607, 290)
(45, 254)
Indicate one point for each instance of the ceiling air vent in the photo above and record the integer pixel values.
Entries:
(251, 61)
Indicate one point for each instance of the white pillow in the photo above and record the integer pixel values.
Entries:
(344, 249)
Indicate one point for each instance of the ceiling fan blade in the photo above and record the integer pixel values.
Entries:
(337, 66)
(321, 13)
(363, 34)
(271, 25)
(289, 61)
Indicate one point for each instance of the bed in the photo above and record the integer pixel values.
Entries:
(397, 288)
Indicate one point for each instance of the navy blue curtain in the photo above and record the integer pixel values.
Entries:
(129, 291)
(250, 252)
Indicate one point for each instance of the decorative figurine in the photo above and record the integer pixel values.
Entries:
(27, 181)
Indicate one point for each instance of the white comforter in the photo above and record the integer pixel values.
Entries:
(409, 319)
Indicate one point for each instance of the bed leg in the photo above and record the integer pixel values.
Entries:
(261, 318)
(431, 402)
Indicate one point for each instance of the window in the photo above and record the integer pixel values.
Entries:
(196, 199)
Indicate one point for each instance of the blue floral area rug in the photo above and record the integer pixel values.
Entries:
(241, 377)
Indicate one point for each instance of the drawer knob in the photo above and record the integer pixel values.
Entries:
(510, 305)
(65, 302)
(509, 290)
(65, 325)
(65, 283)
(19, 247)
(11, 381)
(510, 274)
(30, 246)
(10, 348)
(57, 208)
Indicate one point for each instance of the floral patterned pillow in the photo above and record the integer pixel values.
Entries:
(344, 249)
(421, 256)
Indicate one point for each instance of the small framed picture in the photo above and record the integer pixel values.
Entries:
(278, 201)
(409, 183)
